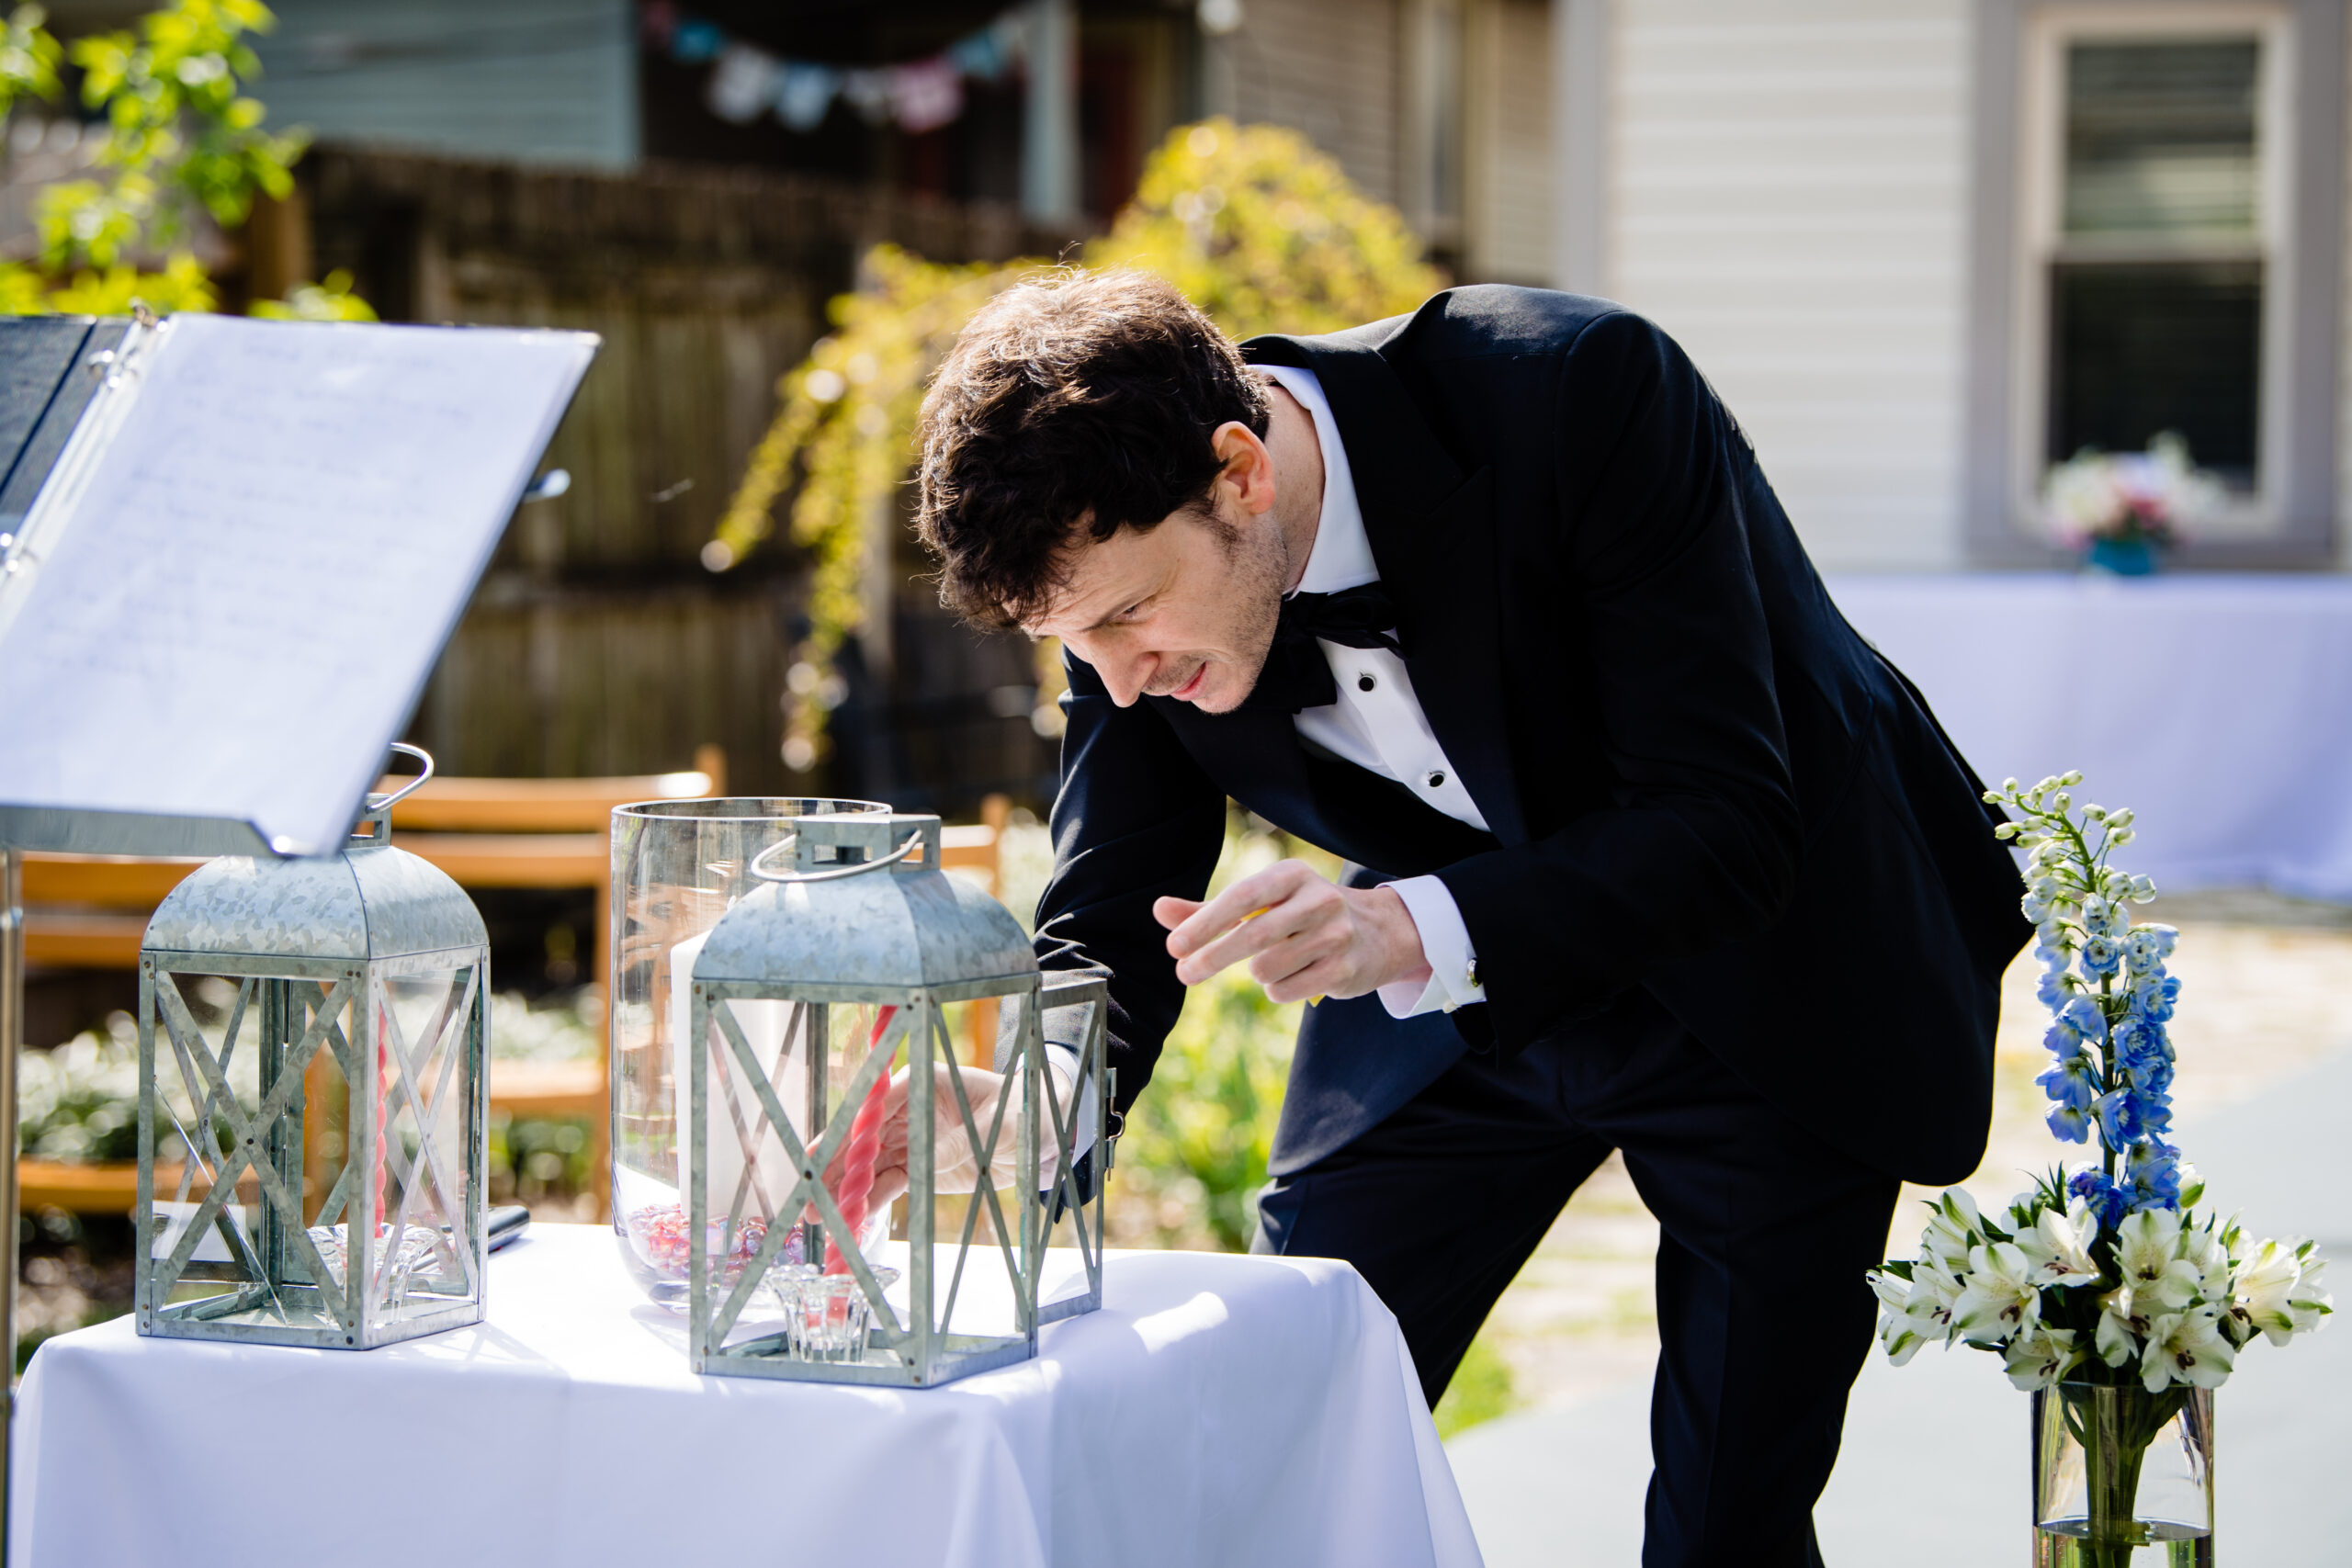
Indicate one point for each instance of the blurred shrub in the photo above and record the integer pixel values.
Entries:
(566, 1029)
(1194, 1153)
(179, 141)
(1482, 1389)
(1256, 227)
(1196, 1145)
(79, 1100)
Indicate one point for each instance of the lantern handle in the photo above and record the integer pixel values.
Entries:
(386, 802)
(759, 862)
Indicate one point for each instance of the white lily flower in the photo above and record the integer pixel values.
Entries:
(1953, 1226)
(2264, 1293)
(2041, 1357)
(2147, 1250)
(2059, 1245)
(2311, 1300)
(2123, 1326)
(2186, 1347)
(2000, 1297)
(2206, 1249)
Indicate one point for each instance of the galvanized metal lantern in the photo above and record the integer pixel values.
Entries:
(802, 998)
(311, 1099)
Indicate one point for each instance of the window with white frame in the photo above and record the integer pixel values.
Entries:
(2156, 238)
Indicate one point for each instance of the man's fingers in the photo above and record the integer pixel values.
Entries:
(1236, 904)
(1174, 912)
(889, 1185)
(1253, 936)
(1325, 977)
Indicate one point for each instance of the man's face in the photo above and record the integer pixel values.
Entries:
(1185, 610)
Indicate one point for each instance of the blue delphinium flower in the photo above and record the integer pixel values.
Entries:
(2071, 1083)
(2104, 985)
(2146, 948)
(2121, 1118)
(2070, 1124)
(2153, 997)
(2105, 1198)
(2154, 1172)
(2146, 1057)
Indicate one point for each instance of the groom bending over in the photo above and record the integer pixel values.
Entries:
(1649, 849)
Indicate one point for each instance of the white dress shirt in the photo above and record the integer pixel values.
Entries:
(1377, 724)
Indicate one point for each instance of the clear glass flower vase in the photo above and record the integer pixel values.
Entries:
(678, 865)
(2122, 1478)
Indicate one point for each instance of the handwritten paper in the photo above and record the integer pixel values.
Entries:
(245, 603)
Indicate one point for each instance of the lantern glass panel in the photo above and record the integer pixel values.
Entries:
(291, 1171)
(678, 865)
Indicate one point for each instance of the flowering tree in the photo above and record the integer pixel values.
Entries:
(1251, 222)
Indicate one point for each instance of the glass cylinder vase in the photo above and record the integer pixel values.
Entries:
(2122, 1478)
(678, 865)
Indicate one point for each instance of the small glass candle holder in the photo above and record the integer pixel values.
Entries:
(828, 1318)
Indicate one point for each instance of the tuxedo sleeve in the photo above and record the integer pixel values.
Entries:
(1136, 818)
(1698, 844)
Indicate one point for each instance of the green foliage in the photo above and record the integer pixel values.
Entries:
(1251, 222)
(181, 138)
(1266, 234)
(1197, 1140)
(1482, 1389)
(332, 300)
(80, 1102)
(29, 57)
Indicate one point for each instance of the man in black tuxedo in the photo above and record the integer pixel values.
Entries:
(1649, 851)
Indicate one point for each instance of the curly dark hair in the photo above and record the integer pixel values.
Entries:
(1078, 400)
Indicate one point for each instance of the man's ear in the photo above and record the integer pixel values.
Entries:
(1249, 468)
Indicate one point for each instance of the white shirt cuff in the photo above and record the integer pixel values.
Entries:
(1445, 943)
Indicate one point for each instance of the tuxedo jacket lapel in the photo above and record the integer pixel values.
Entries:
(1432, 530)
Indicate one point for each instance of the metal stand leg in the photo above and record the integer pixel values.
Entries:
(12, 1041)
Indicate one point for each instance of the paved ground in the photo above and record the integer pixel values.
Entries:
(2265, 1037)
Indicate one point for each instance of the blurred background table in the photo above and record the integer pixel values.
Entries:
(1220, 1409)
(2213, 704)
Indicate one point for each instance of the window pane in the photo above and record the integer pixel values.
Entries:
(2140, 348)
(2160, 137)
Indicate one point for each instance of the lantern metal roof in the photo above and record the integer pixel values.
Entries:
(867, 919)
(370, 902)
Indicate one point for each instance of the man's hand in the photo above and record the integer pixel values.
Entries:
(1303, 936)
(955, 1166)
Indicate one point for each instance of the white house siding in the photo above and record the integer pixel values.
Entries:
(1508, 102)
(537, 81)
(1330, 70)
(1787, 193)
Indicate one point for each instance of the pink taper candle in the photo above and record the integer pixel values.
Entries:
(856, 1186)
(383, 1093)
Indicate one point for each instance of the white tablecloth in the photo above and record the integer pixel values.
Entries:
(2217, 707)
(1219, 1411)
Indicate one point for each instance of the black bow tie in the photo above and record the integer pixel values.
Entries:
(1297, 674)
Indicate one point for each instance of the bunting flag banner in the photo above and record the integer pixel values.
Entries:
(926, 95)
(743, 85)
(747, 81)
